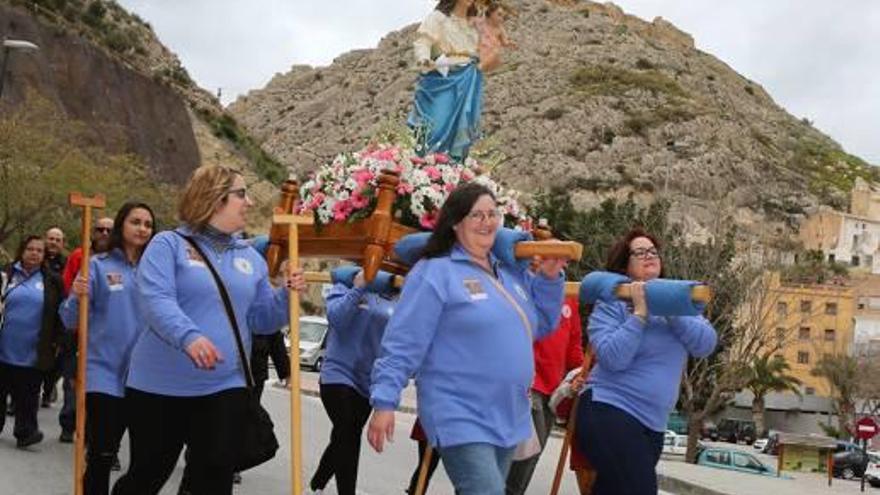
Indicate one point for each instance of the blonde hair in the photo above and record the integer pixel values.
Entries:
(205, 191)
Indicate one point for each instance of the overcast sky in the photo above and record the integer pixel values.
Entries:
(818, 59)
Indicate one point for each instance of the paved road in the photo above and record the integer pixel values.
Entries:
(45, 469)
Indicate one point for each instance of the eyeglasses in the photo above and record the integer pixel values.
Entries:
(103, 230)
(482, 216)
(240, 192)
(645, 253)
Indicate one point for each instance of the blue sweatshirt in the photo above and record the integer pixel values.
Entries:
(469, 348)
(180, 302)
(639, 365)
(114, 321)
(357, 322)
(22, 318)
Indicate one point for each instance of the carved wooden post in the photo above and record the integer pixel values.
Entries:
(86, 203)
(289, 195)
(292, 223)
(379, 234)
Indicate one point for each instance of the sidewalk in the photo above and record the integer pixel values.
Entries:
(681, 478)
(309, 386)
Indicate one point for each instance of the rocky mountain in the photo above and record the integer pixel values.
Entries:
(598, 102)
(106, 68)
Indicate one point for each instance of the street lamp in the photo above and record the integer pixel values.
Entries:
(8, 46)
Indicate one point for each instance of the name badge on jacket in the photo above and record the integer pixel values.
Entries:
(114, 281)
(194, 258)
(475, 289)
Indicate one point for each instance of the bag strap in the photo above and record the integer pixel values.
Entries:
(230, 312)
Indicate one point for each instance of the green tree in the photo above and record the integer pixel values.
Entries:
(44, 156)
(843, 373)
(768, 374)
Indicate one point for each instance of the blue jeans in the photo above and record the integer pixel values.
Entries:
(477, 468)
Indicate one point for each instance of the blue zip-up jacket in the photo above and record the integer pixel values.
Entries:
(357, 323)
(468, 347)
(114, 321)
(23, 316)
(180, 302)
(639, 365)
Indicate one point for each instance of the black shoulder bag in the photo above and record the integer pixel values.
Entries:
(258, 432)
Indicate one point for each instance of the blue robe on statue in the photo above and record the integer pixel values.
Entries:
(446, 111)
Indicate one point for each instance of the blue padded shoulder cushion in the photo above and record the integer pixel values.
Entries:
(599, 286)
(382, 284)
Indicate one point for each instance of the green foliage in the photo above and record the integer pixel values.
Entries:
(640, 122)
(810, 267)
(224, 126)
(607, 80)
(828, 168)
(43, 158)
(770, 374)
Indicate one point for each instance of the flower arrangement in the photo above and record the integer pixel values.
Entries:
(345, 190)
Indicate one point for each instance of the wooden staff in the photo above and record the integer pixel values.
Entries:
(98, 201)
(571, 288)
(569, 426)
(699, 293)
(423, 471)
(293, 222)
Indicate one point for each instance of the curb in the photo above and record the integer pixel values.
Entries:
(681, 487)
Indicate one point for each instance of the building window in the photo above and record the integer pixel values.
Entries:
(855, 261)
(830, 308)
(780, 335)
(804, 333)
(855, 240)
(782, 308)
(806, 306)
(831, 258)
(829, 334)
(803, 357)
(869, 260)
(810, 391)
(861, 305)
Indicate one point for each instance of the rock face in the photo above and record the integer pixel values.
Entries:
(595, 101)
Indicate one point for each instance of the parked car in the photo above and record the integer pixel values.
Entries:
(761, 443)
(849, 463)
(737, 430)
(872, 476)
(734, 460)
(674, 443)
(312, 341)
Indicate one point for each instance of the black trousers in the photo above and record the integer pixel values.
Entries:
(623, 452)
(159, 427)
(348, 411)
(265, 347)
(105, 425)
(23, 384)
(67, 414)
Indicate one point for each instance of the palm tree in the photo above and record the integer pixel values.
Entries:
(768, 374)
(843, 375)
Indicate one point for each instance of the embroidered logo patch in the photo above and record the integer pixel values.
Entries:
(114, 281)
(39, 285)
(475, 289)
(194, 258)
(566, 311)
(243, 265)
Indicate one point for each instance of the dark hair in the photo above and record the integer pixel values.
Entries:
(24, 243)
(618, 255)
(116, 239)
(457, 206)
(446, 7)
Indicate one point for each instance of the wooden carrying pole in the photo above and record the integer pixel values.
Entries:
(293, 222)
(77, 199)
(571, 288)
(699, 293)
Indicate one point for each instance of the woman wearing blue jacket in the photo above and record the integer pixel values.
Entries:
(464, 328)
(185, 384)
(357, 317)
(634, 384)
(114, 326)
(30, 331)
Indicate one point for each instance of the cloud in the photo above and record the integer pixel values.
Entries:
(815, 58)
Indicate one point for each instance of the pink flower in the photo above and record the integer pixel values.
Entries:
(404, 188)
(359, 201)
(466, 175)
(417, 160)
(441, 158)
(316, 201)
(433, 173)
(429, 220)
(341, 210)
(450, 187)
(362, 176)
(388, 154)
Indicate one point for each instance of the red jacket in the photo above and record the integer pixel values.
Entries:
(560, 351)
(71, 268)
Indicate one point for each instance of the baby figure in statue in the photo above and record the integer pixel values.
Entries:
(493, 36)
